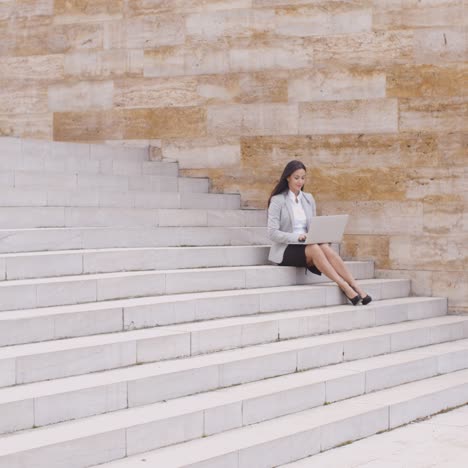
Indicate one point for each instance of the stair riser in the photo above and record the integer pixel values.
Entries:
(77, 263)
(59, 165)
(80, 453)
(114, 319)
(20, 187)
(152, 283)
(36, 153)
(37, 217)
(15, 240)
(118, 199)
(105, 398)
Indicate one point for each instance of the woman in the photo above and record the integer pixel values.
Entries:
(289, 213)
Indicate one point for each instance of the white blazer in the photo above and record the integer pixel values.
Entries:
(281, 222)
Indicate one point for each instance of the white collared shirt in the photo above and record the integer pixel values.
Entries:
(300, 219)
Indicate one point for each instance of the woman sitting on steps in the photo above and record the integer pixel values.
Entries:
(289, 213)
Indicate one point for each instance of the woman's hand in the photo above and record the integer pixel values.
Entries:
(302, 238)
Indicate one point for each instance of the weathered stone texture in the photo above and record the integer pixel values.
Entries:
(27, 125)
(427, 81)
(376, 116)
(441, 115)
(130, 123)
(147, 32)
(74, 11)
(249, 119)
(81, 96)
(418, 15)
(370, 49)
(37, 68)
(104, 63)
(204, 153)
(440, 45)
(337, 85)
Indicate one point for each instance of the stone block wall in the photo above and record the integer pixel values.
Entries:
(370, 94)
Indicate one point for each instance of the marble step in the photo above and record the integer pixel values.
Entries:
(120, 199)
(76, 356)
(79, 289)
(36, 217)
(281, 440)
(78, 158)
(27, 183)
(40, 239)
(18, 153)
(118, 175)
(89, 261)
(58, 322)
(169, 191)
(43, 403)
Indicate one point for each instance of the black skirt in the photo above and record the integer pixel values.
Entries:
(294, 255)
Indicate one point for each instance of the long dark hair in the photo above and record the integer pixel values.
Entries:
(282, 185)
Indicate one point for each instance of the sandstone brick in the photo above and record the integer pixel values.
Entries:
(139, 7)
(81, 96)
(380, 217)
(27, 125)
(104, 63)
(129, 124)
(18, 97)
(39, 67)
(164, 61)
(424, 114)
(367, 247)
(429, 252)
(321, 20)
(7, 9)
(157, 92)
(376, 116)
(353, 151)
(452, 147)
(69, 37)
(151, 31)
(262, 87)
(31, 36)
(440, 45)
(369, 49)
(291, 54)
(240, 22)
(8, 42)
(337, 85)
(202, 59)
(452, 284)
(443, 216)
(421, 281)
(253, 119)
(28, 8)
(407, 15)
(204, 152)
(190, 60)
(425, 182)
(407, 81)
(75, 11)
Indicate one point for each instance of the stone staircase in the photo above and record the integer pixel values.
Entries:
(141, 325)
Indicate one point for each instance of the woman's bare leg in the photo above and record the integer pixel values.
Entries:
(340, 266)
(320, 260)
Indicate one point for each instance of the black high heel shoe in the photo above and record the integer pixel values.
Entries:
(364, 300)
(354, 300)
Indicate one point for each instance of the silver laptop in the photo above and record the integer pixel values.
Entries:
(324, 229)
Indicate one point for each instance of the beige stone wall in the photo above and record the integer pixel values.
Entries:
(371, 95)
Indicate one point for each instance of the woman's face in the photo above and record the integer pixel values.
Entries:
(296, 180)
